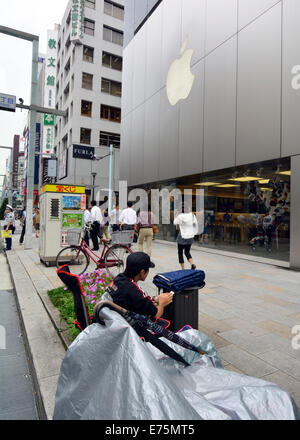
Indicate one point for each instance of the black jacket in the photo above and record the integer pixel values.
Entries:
(126, 293)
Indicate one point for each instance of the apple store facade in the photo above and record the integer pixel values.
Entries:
(211, 100)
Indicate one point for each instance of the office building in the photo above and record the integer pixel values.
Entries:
(88, 85)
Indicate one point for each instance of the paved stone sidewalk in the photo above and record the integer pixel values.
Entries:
(247, 308)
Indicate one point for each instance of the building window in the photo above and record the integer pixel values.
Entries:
(87, 81)
(112, 87)
(114, 10)
(113, 35)
(85, 135)
(111, 61)
(88, 54)
(89, 27)
(90, 3)
(106, 139)
(86, 108)
(111, 113)
(67, 67)
(65, 142)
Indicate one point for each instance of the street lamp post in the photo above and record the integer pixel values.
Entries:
(93, 186)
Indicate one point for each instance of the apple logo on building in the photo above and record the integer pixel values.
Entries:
(180, 78)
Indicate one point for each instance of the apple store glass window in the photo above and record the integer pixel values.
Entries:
(246, 209)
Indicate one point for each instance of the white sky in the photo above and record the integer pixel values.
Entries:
(34, 17)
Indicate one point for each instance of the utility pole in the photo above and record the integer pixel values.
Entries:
(33, 108)
(111, 168)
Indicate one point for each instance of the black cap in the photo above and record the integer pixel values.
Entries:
(138, 261)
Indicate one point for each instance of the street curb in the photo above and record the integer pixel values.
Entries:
(38, 396)
(40, 359)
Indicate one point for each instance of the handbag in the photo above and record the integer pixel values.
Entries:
(6, 234)
(155, 229)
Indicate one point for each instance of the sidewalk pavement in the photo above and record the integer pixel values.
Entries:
(247, 308)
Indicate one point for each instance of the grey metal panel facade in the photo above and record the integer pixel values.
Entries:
(153, 53)
(168, 165)
(136, 164)
(249, 10)
(220, 107)
(221, 22)
(194, 26)
(151, 138)
(139, 69)
(125, 153)
(259, 89)
(254, 54)
(191, 126)
(171, 35)
(291, 78)
(128, 61)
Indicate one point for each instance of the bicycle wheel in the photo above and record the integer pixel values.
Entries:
(115, 259)
(74, 257)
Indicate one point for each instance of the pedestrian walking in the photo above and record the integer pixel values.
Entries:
(128, 218)
(188, 226)
(23, 223)
(106, 224)
(9, 225)
(87, 221)
(36, 222)
(97, 220)
(144, 228)
(115, 218)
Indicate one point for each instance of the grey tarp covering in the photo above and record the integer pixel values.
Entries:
(109, 373)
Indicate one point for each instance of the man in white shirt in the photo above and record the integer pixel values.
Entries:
(115, 218)
(96, 219)
(128, 217)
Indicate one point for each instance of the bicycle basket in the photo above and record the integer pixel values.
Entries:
(73, 236)
(122, 237)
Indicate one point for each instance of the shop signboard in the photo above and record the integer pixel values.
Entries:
(77, 21)
(7, 102)
(83, 152)
(49, 91)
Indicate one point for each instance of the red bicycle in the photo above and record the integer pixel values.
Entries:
(79, 256)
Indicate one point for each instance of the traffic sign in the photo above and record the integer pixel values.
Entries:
(7, 102)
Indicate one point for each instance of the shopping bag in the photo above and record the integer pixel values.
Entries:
(6, 234)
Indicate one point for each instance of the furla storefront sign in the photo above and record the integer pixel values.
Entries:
(83, 152)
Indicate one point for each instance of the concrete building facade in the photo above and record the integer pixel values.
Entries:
(89, 87)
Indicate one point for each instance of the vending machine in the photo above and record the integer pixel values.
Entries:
(61, 210)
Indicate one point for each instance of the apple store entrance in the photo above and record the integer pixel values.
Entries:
(246, 209)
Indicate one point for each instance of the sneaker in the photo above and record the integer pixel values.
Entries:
(193, 267)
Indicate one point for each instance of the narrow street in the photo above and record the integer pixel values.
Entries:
(17, 391)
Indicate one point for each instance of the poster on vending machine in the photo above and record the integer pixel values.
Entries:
(70, 220)
(71, 202)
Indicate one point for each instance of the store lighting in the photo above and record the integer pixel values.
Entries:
(207, 183)
(264, 181)
(266, 189)
(227, 185)
(287, 173)
(246, 179)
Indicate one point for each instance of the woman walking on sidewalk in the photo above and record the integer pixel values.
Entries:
(188, 226)
(9, 225)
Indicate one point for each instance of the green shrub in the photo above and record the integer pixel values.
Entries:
(93, 285)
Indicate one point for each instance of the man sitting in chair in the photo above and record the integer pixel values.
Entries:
(127, 294)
